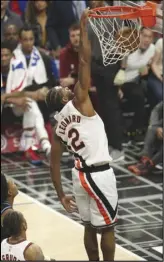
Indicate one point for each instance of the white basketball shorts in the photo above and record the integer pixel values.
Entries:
(96, 197)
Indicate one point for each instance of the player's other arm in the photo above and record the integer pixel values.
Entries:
(83, 84)
(34, 253)
(56, 154)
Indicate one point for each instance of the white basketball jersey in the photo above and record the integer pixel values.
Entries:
(13, 252)
(84, 136)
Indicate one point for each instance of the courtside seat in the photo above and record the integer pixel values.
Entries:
(11, 135)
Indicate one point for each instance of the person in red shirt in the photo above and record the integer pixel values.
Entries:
(69, 64)
(69, 58)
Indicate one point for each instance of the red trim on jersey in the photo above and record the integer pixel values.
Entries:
(17, 88)
(26, 248)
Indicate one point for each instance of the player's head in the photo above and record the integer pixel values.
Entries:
(15, 223)
(57, 97)
(8, 189)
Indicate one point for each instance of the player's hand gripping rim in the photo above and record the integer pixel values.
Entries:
(69, 204)
(84, 16)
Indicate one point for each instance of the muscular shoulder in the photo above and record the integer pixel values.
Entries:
(34, 252)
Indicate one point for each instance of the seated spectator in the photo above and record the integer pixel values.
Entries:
(153, 144)
(129, 77)
(61, 15)
(18, 6)
(155, 79)
(6, 55)
(8, 193)
(30, 71)
(69, 58)
(7, 48)
(8, 17)
(69, 64)
(11, 32)
(22, 249)
(36, 16)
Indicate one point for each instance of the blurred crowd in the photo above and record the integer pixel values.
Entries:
(39, 49)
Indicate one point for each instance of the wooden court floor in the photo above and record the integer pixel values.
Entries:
(59, 237)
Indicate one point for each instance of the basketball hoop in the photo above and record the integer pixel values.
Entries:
(117, 28)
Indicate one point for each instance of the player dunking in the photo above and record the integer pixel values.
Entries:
(81, 129)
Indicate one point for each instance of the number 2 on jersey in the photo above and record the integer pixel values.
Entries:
(76, 144)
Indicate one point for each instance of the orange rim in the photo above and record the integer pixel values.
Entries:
(133, 12)
(148, 10)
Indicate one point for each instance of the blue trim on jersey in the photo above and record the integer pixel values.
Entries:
(5, 208)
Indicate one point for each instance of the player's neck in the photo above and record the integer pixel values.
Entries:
(17, 239)
(10, 200)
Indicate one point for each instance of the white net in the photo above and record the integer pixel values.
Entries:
(117, 37)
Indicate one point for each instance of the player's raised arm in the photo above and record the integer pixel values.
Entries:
(83, 84)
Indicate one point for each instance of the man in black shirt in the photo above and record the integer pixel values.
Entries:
(152, 154)
(103, 80)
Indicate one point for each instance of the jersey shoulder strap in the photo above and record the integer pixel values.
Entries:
(5, 206)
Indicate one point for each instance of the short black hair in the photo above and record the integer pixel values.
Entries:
(10, 45)
(13, 222)
(54, 100)
(25, 28)
(4, 188)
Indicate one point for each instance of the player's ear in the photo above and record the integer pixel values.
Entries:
(65, 100)
(9, 192)
(9, 189)
(24, 226)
